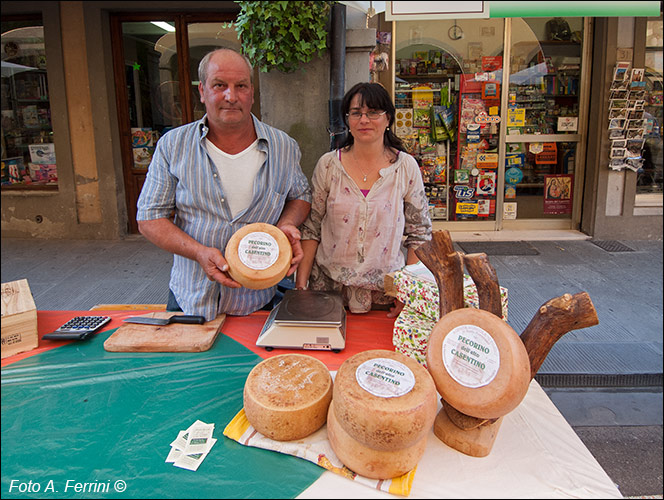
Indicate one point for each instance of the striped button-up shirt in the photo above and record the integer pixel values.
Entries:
(182, 177)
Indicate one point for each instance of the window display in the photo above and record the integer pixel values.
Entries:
(28, 151)
(544, 86)
(432, 59)
(475, 173)
(649, 176)
(451, 88)
(543, 100)
(426, 122)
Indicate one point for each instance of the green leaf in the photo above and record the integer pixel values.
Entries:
(282, 35)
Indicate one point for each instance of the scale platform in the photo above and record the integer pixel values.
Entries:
(306, 319)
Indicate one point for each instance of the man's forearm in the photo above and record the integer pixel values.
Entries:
(169, 237)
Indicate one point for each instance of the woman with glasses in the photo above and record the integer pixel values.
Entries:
(368, 204)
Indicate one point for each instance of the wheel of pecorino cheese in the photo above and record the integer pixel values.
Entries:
(478, 362)
(286, 397)
(369, 462)
(258, 255)
(384, 400)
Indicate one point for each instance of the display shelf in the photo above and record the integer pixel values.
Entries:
(474, 180)
(433, 89)
(26, 122)
(432, 153)
(426, 77)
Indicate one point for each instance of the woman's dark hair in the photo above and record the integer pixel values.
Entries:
(373, 96)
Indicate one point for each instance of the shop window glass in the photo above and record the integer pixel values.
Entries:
(649, 177)
(545, 70)
(151, 71)
(543, 99)
(447, 95)
(28, 151)
(539, 179)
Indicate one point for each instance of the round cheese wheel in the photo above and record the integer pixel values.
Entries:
(368, 462)
(286, 397)
(478, 362)
(258, 255)
(384, 400)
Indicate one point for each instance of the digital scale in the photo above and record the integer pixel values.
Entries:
(306, 319)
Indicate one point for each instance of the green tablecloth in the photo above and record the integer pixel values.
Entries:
(78, 415)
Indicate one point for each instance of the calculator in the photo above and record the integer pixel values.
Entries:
(78, 328)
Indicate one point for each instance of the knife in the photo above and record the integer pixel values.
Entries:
(185, 319)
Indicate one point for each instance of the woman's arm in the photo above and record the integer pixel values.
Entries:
(309, 248)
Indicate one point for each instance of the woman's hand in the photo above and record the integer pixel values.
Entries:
(396, 309)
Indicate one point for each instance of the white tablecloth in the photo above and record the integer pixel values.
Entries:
(536, 455)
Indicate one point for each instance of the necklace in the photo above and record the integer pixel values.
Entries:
(364, 178)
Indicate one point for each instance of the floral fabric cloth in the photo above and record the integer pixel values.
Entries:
(315, 448)
(421, 311)
(422, 295)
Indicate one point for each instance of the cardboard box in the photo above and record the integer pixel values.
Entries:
(19, 318)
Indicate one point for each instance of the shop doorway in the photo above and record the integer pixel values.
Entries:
(155, 62)
(495, 112)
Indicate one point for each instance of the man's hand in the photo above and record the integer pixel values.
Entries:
(293, 235)
(215, 266)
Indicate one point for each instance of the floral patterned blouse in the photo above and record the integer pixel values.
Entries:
(360, 237)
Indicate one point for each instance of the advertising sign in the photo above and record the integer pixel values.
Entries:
(558, 194)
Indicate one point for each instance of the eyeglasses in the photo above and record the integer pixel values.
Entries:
(372, 115)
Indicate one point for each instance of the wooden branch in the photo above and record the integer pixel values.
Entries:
(388, 284)
(463, 421)
(446, 265)
(488, 291)
(554, 319)
(486, 280)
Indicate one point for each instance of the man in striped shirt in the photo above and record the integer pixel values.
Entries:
(217, 175)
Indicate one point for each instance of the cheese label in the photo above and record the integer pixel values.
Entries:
(258, 250)
(385, 378)
(471, 356)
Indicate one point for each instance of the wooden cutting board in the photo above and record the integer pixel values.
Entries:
(176, 337)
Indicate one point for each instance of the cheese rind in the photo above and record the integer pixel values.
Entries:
(467, 372)
(286, 397)
(369, 462)
(258, 255)
(384, 422)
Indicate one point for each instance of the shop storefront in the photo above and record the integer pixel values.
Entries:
(497, 112)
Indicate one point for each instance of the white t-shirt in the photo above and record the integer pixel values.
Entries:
(237, 173)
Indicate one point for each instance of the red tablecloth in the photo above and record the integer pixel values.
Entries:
(372, 330)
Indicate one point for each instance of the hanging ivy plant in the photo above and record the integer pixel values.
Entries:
(282, 35)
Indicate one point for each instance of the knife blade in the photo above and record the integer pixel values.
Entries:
(181, 318)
